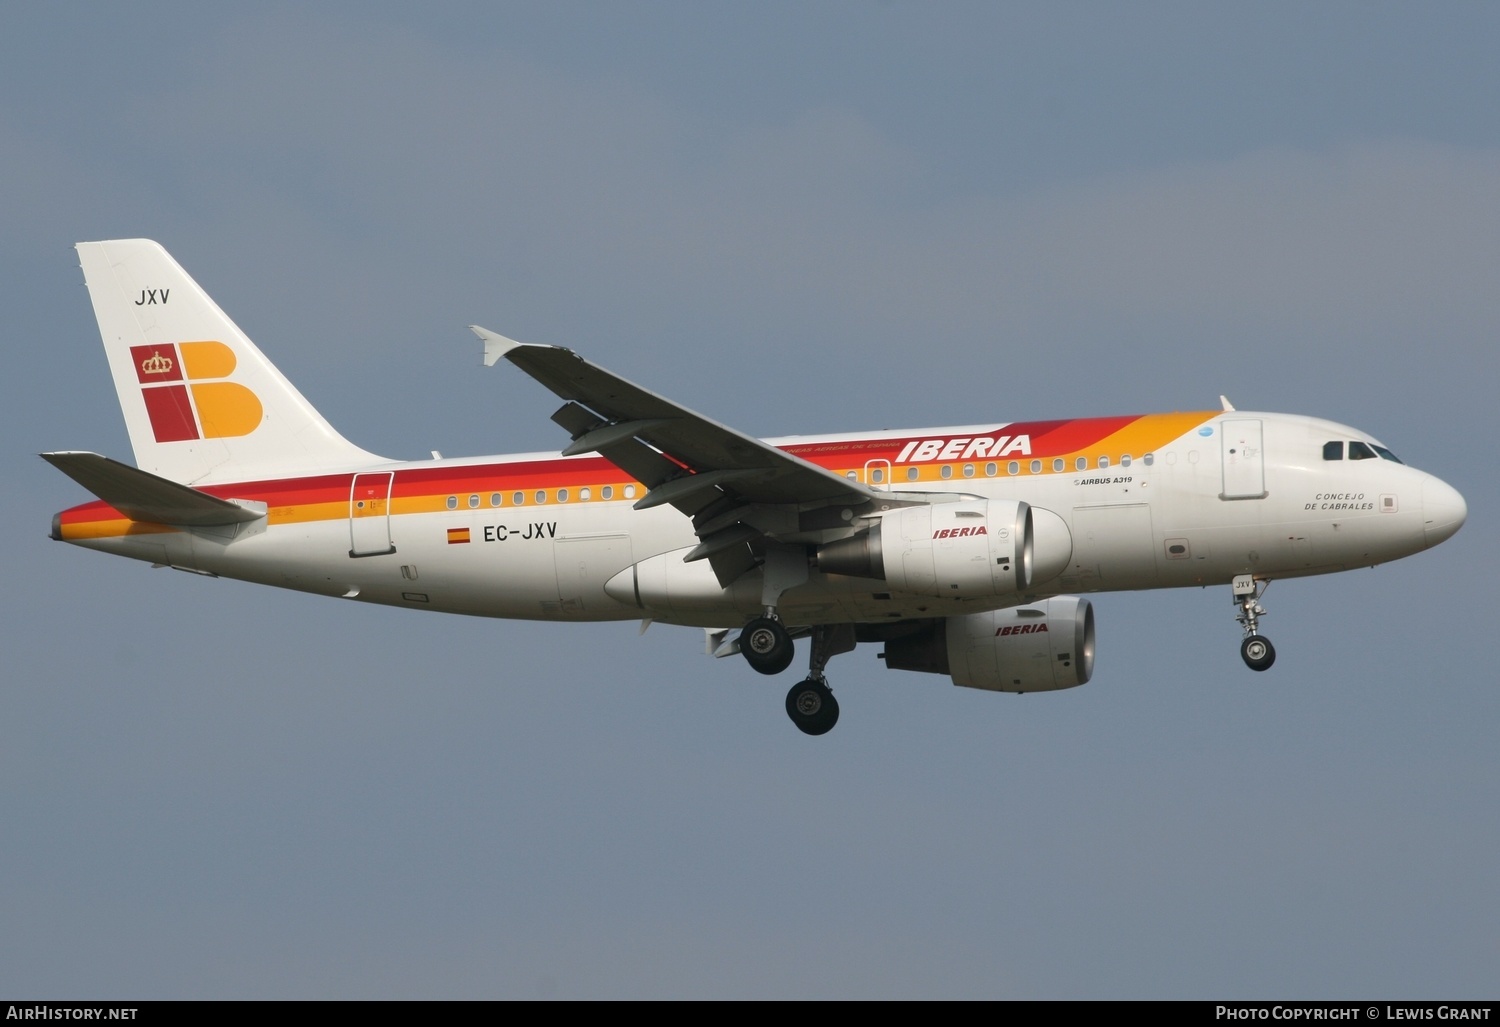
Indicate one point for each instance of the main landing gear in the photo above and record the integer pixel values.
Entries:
(812, 707)
(1256, 650)
(767, 646)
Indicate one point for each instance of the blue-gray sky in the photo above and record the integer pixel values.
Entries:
(797, 218)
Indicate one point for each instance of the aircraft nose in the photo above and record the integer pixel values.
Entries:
(1443, 510)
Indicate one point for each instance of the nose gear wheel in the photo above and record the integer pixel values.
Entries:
(1256, 650)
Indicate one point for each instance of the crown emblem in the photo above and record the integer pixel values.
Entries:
(156, 364)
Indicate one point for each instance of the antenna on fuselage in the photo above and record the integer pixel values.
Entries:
(1228, 406)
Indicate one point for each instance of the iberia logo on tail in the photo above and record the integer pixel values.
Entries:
(186, 396)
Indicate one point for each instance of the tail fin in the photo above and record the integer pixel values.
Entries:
(200, 401)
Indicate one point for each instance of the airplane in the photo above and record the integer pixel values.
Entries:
(962, 551)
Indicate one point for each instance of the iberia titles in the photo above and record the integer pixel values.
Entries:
(964, 448)
(960, 532)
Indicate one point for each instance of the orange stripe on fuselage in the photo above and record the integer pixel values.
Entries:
(100, 520)
(426, 489)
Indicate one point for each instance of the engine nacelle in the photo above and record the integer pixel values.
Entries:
(1040, 647)
(973, 549)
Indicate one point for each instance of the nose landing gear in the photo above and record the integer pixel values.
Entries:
(1256, 650)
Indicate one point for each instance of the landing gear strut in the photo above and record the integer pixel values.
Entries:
(810, 703)
(765, 643)
(1256, 650)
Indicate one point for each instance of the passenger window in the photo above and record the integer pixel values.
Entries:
(911, 474)
(453, 502)
(1360, 451)
(968, 470)
(1013, 468)
(473, 502)
(519, 499)
(1125, 460)
(541, 496)
(1081, 463)
(990, 470)
(1036, 467)
(607, 492)
(1333, 450)
(494, 499)
(947, 470)
(1103, 462)
(584, 494)
(1149, 458)
(562, 495)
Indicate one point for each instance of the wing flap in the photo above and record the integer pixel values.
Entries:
(598, 438)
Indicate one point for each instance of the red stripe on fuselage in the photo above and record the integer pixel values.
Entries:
(415, 481)
(1071, 436)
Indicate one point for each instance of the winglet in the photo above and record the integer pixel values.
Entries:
(1228, 406)
(495, 345)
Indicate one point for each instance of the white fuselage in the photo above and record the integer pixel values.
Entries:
(1207, 506)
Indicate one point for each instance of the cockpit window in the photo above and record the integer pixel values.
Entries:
(1357, 451)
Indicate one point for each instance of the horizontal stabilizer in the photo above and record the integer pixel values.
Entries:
(143, 496)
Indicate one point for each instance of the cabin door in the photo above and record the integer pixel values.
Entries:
(370, 514)
(1244, 460)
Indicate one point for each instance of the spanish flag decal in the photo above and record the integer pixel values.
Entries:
(458, 536)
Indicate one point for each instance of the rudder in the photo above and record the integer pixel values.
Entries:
(201, 402)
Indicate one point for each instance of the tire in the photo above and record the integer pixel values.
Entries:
(766, 646)
(1258, 652)
(812, 707)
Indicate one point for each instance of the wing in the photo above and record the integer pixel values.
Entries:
(737, 489)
